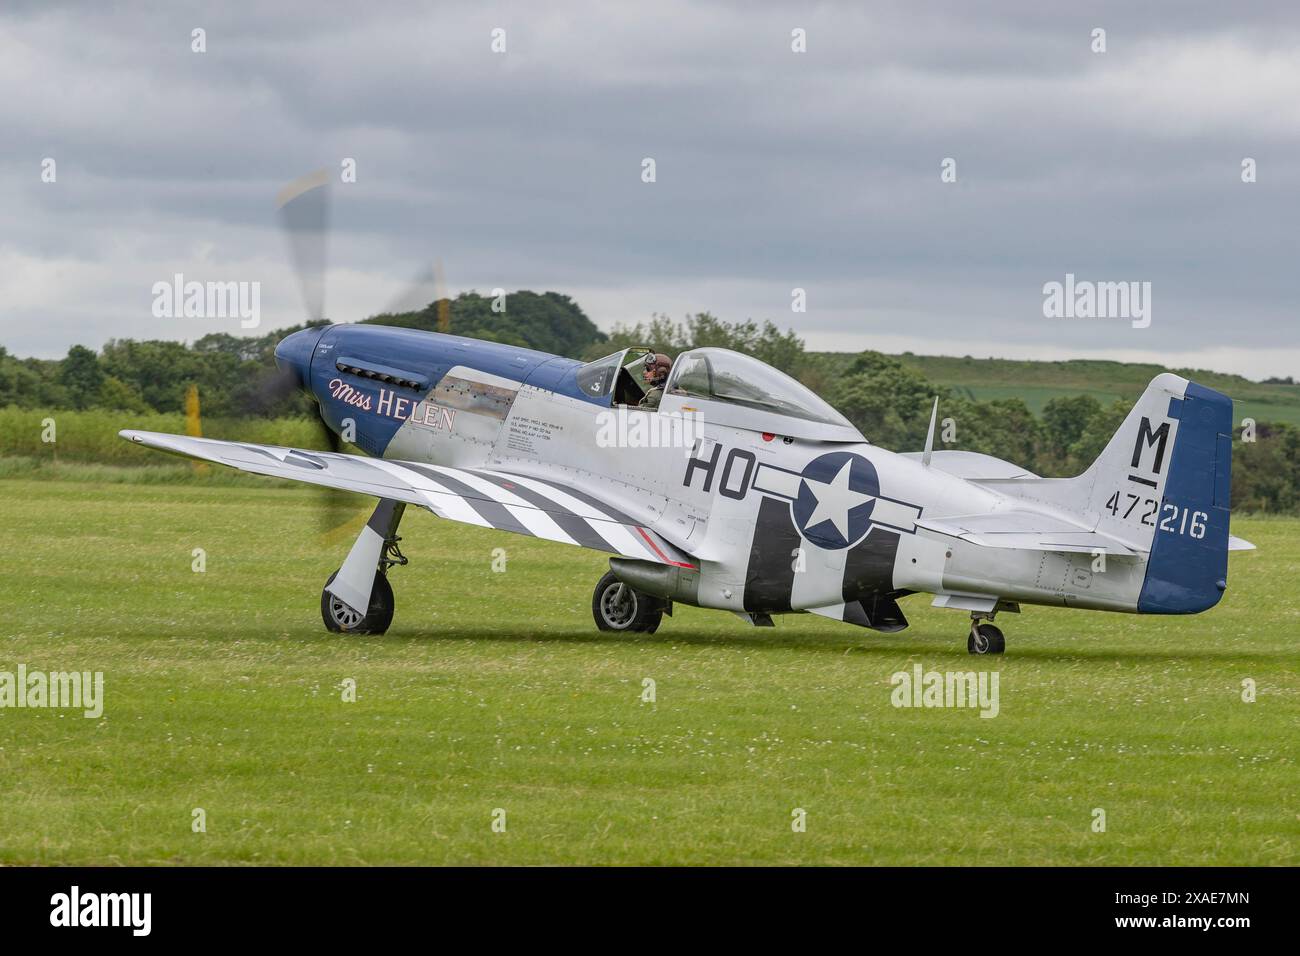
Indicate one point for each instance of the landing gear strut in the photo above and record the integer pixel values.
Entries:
(985, 638)
(355, 585)
(617, 607)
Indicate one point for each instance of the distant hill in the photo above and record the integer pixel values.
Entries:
(1036, 382)
(547, 321)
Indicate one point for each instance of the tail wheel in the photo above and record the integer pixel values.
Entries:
(985, 639)
(618, 607)
(341, 619)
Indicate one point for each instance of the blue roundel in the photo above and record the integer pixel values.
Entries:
(836, 498)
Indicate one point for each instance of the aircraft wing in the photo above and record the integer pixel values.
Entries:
(542, 508)
(1026, 529)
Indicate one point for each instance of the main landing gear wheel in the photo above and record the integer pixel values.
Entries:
(617, 607)
(985, 639)
(341, 619)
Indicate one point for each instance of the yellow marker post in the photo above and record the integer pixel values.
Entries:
(193, 425)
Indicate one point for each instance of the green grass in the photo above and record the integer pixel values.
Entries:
(171, 471)
(62, 436)
(495, 691)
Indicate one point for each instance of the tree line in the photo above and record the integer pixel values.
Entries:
(233, 372)
(886, 399)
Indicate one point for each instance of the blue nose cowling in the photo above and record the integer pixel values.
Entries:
(293, 355)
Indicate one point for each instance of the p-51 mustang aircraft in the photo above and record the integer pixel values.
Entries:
(773, 502)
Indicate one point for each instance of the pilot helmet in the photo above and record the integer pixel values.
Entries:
(657, 366)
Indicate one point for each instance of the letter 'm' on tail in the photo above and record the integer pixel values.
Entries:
(1162, 485)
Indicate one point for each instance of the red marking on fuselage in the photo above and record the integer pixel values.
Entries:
(663, 557)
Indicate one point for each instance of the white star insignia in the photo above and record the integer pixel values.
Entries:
(835, 499)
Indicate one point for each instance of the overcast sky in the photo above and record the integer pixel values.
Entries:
(775, 170)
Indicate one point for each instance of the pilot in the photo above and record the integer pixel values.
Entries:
(657, 367)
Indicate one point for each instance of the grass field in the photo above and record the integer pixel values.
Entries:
(493, 690)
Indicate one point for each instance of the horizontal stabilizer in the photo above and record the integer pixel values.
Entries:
(971, 465)
(1026, 529)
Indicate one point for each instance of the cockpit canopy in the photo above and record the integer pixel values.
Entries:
(726, 387)
(726, 376)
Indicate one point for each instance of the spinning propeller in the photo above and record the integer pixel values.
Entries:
(304, 214)
(304, 206)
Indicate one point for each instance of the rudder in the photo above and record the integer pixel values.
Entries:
(1188, 572)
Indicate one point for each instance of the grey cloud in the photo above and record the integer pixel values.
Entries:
(775, 170)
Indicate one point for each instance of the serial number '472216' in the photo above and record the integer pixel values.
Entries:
(1173, 519)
